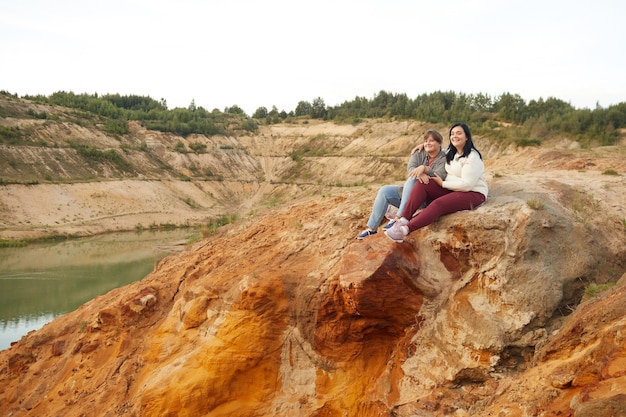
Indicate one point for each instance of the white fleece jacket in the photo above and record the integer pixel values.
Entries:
(466, 174)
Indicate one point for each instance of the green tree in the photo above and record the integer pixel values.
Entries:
(303, 108)
(482, 102)
(511, 108)
(318, 109)
(260, 113)
(235, 109)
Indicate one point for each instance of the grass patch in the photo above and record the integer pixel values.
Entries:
(190, 203)
(528, 142)
(593, 289)
(222, 220)
(273, 201)
(18, 243)
(94, 154)
(10, 135)
(197, 147)
(584, 205)
(535, 204)
(610, 172)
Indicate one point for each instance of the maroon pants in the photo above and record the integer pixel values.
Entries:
(442, 201)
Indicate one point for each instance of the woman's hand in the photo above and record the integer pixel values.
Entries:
(418, 148)
(416, 172)
(437, 179)
(420, 174)
(424, 178)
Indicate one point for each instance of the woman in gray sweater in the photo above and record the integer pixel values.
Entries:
(422, 167)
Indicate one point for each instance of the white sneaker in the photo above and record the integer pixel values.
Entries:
(397, 233)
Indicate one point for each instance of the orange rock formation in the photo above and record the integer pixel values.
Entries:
(288, 315)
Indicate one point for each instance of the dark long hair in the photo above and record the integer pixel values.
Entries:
(469, 145)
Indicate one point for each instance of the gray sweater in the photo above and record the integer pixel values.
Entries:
(421, 158)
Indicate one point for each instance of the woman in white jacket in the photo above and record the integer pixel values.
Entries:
(464, 188)
(425, 161)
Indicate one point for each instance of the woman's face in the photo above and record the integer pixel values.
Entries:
(458, 137)
(431, 145)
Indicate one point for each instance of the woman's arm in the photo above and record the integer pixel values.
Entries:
(418, 148)
(416, 159)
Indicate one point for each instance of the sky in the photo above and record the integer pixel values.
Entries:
(269, 53)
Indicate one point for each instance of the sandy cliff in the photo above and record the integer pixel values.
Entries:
(284, 313)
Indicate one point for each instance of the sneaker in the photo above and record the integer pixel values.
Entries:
(389, 225)
(402, 221)
(397, 233)
(365, 233)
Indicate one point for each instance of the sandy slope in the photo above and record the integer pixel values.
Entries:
(258, 174)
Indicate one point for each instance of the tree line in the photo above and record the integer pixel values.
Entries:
(507, 116)
(527, 122)
(117, 110)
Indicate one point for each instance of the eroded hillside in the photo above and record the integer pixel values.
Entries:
(284, 313)
(66, 176)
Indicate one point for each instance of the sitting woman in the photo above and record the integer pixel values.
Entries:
(424, 163)
(464, 188)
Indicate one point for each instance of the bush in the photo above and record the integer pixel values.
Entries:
(610, 172)
(197, 147)
(9, 135)
(180, 147)
(116, 127)
(528, 142)
(95, 154)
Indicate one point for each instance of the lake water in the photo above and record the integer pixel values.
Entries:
(43, 281)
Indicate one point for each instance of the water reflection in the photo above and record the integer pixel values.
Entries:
(40, 282)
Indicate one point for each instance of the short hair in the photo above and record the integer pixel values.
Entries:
(435, 135)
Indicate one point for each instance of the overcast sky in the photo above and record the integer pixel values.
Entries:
(276, 52)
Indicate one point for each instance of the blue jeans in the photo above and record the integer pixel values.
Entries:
(406, 193)
(389, 194)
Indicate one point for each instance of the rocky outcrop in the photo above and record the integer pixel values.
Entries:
(580, 371)
(287, 314)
